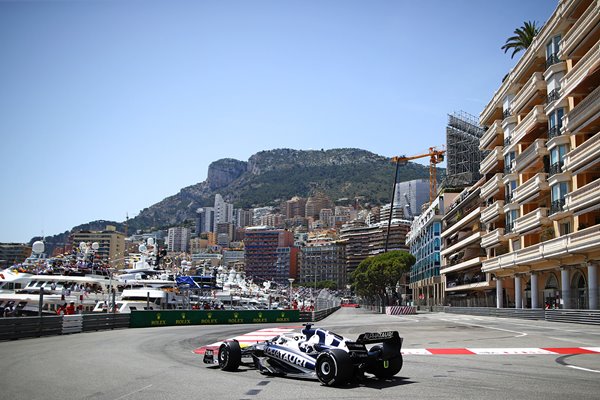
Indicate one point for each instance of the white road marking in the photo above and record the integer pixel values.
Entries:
(135, 391)
(520, 334)
(596, 349)
(583, 369)
(510, 351)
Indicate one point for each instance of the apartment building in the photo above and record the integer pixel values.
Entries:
(462, 255)
(541, 187)
(323, 263)
(270, 254)
(223, 212)
(362, 240)
(13, 253)
(178, 239)
(111, 242)
(424, 241)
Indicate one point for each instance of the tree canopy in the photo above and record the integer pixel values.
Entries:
(374, 274)
(522, 39)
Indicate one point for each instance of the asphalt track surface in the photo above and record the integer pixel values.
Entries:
(161, 363)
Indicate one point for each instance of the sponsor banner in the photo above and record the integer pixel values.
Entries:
(145, 319)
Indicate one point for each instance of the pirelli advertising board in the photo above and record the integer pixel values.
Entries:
(145, 319)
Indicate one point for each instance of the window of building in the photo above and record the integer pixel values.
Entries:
(558, 153)
(555, 123)
(559, 191)
(557, 156)
(511, 216)
(564, 228)
(509, 189)
(552, 49)
(508, 161)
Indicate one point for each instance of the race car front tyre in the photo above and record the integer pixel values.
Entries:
(230, 356)
(334, 367)
(384, 369)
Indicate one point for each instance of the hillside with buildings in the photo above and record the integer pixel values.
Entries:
(270, 177)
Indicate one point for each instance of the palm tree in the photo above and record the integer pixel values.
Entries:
(522, 39)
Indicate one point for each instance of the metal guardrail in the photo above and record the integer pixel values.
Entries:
(313, 316)
(29, 327)
(591, 317)
(98, 322)
(574, 316)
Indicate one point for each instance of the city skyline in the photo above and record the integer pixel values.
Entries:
(109, 107)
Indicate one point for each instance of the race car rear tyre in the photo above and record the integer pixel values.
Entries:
(384, 369)
(334, 367)
(230, 356)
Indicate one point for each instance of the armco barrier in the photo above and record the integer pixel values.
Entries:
(143, 319)
(97, 322)
(28, 327)
(72, 324)
(591, 317)
(574, 316)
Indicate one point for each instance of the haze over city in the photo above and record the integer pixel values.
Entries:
(110, 106)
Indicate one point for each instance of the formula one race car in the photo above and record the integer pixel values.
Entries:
(316, 354)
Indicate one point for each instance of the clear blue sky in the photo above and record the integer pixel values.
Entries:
(107, 107)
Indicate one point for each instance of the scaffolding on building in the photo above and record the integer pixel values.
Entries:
(462, 150)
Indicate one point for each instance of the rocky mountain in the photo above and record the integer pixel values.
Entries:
(272, 176)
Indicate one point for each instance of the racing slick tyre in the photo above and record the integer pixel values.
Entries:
(384, 369)
(334, 367)
(230, 356)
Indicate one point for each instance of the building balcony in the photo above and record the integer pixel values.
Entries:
(509, 231)
(585, 113)
(536, 116)
(493, 239)
(583, 156)
(491, 162)
(531, 189)
(492, 212)
(588, 21)
(555, 168)
(555, 132)
(583, 242)
(532, 221)
(492, 186)
(465, 264)
(552, 59)
(553, 96)
(464, 242)
(586, 66)
(490, 137)
(583, 199)
(557, 210)
(531, 156)
(531, 93)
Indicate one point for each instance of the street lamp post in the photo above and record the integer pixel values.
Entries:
(291, 280)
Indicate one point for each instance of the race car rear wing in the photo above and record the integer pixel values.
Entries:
(378, 337)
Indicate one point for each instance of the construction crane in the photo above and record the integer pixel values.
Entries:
(436, 156)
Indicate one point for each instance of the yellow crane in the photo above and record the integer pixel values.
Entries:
(436, 156)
